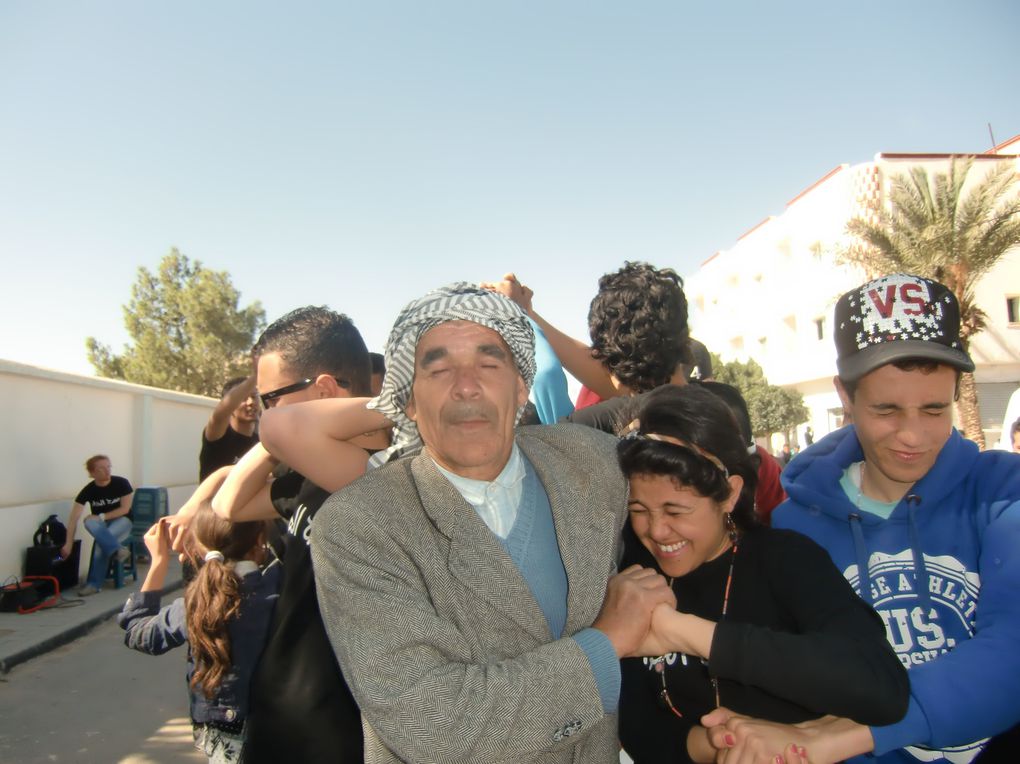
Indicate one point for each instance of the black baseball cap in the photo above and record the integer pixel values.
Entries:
(895, 318)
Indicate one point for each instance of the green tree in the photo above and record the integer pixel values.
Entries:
(187, 330)
(772, 408)
(931, 228)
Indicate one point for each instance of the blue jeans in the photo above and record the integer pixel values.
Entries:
(108, 536)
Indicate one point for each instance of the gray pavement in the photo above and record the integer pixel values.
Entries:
(93, 701)
(23, 637)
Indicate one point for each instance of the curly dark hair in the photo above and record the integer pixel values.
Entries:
(692, 414)
(638, 325)
(316, 340)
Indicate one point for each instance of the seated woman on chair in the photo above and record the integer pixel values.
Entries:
(109, 498)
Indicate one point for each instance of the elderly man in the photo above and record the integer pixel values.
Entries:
(464, 587)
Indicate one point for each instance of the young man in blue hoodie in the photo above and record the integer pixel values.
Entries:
(922, 524)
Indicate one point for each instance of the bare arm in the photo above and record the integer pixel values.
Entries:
(673, 631)
(244, 494)
(178, 524)
(123, 509)
(157, 541)
(216, 427)
(72, 528)
(573, 354)
(326, 440)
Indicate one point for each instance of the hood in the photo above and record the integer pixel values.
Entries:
(812, 478)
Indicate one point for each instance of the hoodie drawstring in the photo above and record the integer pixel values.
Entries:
(921, 580)
(861, 549)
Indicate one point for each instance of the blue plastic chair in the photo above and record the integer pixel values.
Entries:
(148, 506)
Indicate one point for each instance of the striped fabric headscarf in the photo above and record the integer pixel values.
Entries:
(461, 301)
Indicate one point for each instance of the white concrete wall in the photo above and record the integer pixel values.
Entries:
(53, 421)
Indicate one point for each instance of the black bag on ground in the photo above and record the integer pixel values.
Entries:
(29, 594)
(16, 594)
(46, 561)
(51, 532)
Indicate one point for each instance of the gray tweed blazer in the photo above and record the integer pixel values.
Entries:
(444, 647)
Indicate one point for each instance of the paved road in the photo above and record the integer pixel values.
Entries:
(96, 702)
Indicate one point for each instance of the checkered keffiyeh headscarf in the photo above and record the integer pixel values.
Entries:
(461, 301)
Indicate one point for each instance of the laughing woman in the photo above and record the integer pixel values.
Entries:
(765, 624)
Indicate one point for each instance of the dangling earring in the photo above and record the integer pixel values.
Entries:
(731, 527)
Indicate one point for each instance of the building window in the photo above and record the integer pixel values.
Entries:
(1013, 309)
(820, 328)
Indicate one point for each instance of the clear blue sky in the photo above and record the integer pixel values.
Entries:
(358, 154)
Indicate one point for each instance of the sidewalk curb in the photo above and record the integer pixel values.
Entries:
(70, 634)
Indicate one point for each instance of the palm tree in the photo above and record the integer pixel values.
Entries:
(932, 229)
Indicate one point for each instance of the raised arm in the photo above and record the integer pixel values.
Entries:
(150, 629)
(573, 354)
(219, 420)
(326, 440)
(179, 522)
(244, 494)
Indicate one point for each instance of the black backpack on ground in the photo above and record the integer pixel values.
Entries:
(51, 532)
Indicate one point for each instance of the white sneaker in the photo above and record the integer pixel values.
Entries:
(123, 554)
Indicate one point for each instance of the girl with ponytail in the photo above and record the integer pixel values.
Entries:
(224, 617)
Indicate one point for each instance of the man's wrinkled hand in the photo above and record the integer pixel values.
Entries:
(626, 614)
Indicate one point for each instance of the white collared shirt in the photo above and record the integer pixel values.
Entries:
(495, 501)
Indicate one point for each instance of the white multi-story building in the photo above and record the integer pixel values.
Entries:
(770, 296)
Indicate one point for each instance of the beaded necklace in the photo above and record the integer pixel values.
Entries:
(660, 662)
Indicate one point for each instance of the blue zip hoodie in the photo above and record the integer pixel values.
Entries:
(943, 572)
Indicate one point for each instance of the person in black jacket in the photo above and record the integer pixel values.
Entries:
(764, 625)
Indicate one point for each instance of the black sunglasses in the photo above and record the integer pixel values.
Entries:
(279, 392)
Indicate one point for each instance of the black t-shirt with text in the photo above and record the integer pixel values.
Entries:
(104, 498)
(301, 707)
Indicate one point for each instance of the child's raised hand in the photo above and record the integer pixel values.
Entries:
(157, 541)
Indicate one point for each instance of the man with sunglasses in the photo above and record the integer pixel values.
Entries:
(301, 708)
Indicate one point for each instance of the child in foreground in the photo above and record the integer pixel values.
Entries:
(224, 617)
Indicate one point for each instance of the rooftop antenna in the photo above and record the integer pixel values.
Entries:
(992, 135)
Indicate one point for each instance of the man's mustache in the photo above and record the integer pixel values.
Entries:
(468, 412)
